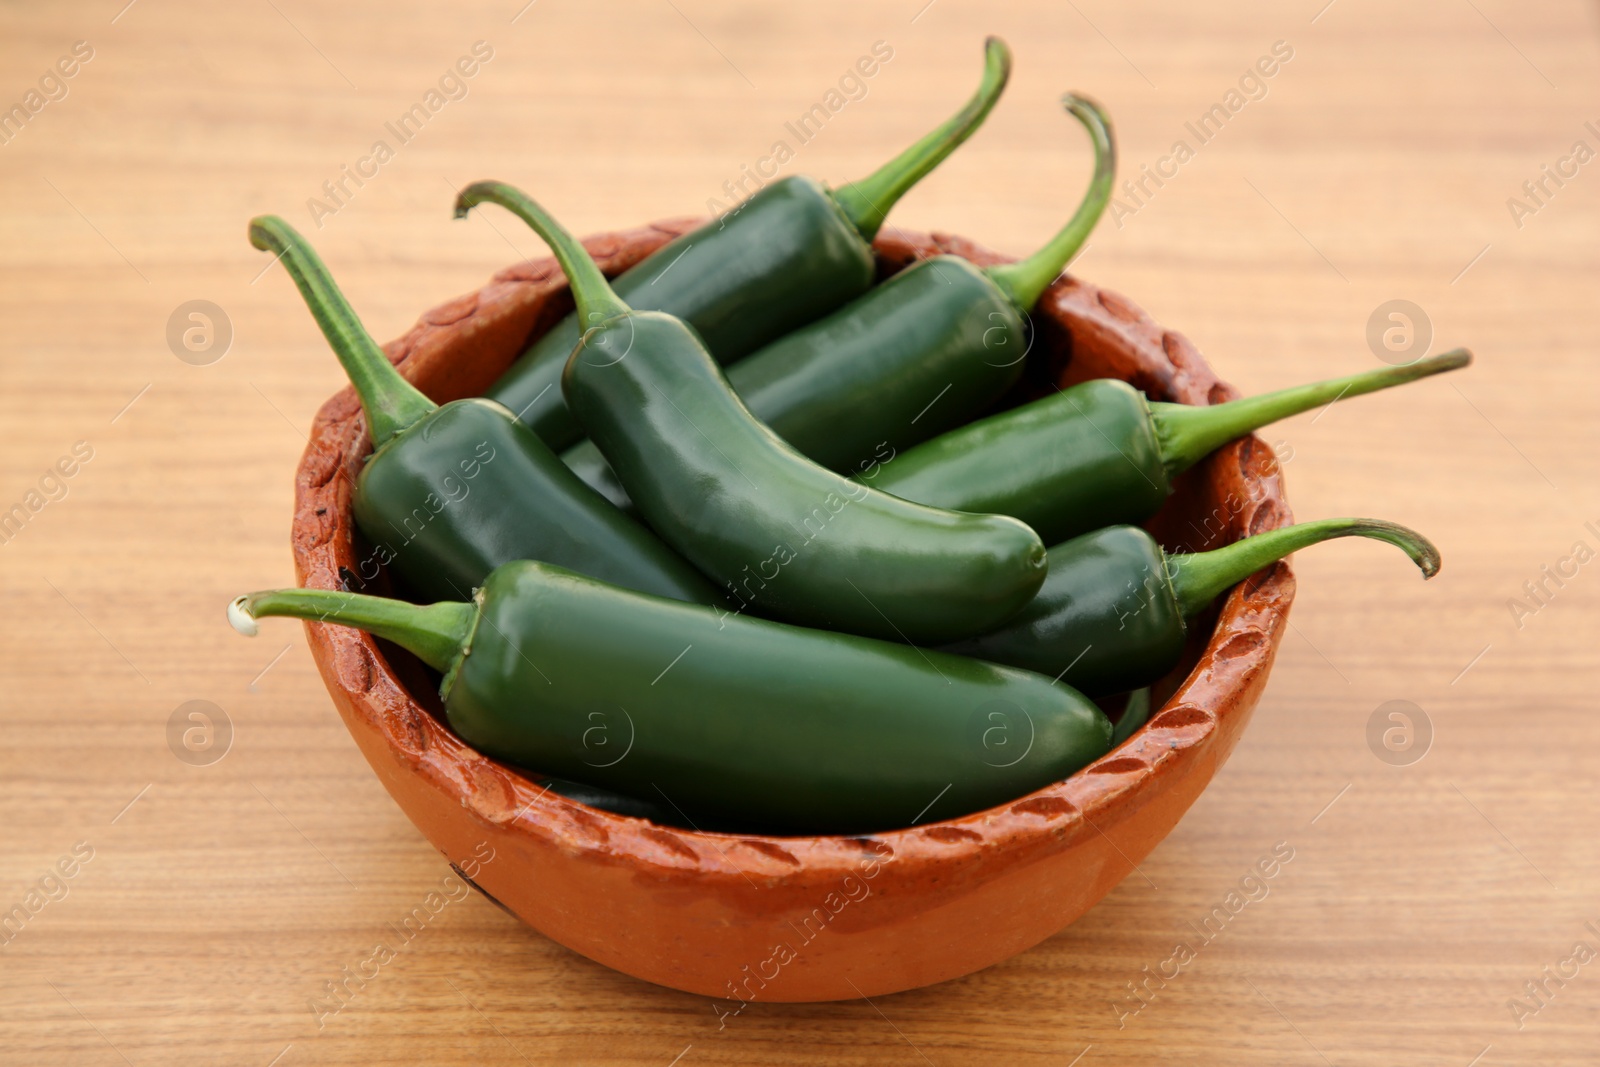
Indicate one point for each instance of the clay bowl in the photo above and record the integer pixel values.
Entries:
(811, 918)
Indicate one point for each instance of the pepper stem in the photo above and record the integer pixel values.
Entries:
(867, 202)
(390, 402)
(593, 294)
(1024, 281)
(435, 633)
(1199, 577)
(1188, 434)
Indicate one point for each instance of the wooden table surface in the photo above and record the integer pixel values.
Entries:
(210, 902)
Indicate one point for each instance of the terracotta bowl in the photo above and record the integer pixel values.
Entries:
(747, 918)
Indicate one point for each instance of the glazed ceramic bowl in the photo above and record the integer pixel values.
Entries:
(745, 917)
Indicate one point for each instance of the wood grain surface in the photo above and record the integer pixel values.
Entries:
(211, 900)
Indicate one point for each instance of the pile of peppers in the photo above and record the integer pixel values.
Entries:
(756, 543)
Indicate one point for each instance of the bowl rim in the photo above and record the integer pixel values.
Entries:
(526, 298)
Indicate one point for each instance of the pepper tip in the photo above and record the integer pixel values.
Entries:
(474, 194)
(997, 52)
(240, 619)
(259, 232)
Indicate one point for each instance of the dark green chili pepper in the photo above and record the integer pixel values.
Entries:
(452, 492)
(610, 800)
(1099, 453)
(1134, 715)
(798, 541)
(658, 810)
(925, 351)
(738, 718)
(792, 252)
(1114, 610)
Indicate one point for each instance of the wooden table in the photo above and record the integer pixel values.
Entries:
(1375, 164)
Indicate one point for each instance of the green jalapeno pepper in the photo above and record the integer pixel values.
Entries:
(796, 541)
(610, 800)
(1099, 453)
(792, 252)
(1135, 713)
(925, 351)
(452, 492)
(738, 718)
(1114, 611)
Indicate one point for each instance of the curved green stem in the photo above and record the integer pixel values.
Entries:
(391, 403)
(1199, 577)
(1189, 434)
(1024, 281)
(593, 294)
(867, 202)
(437, 634)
